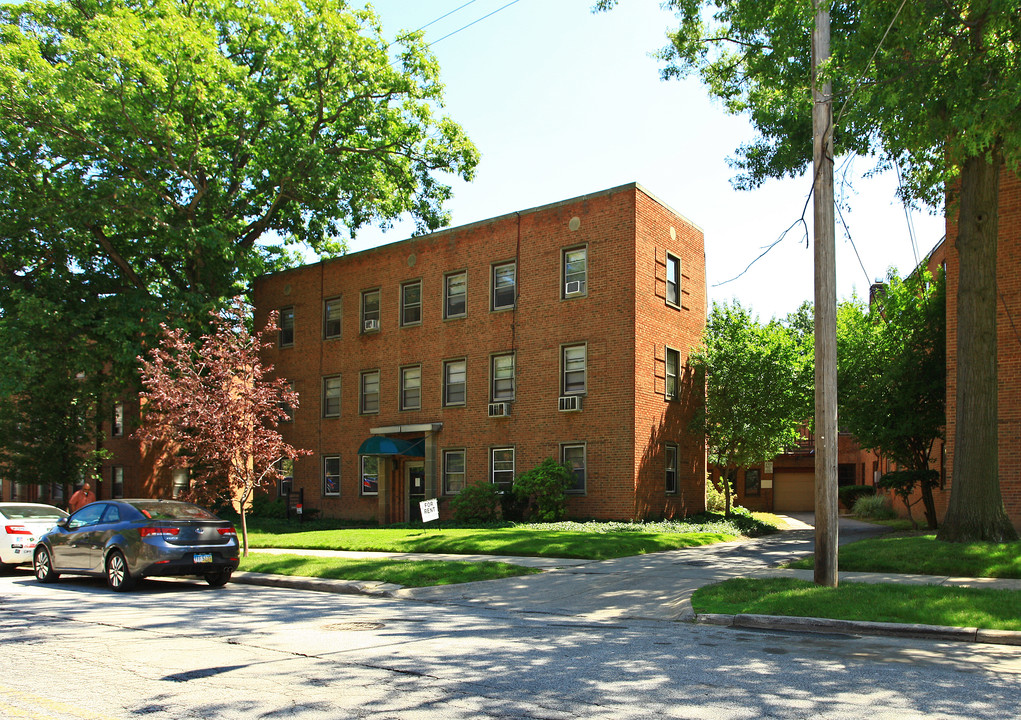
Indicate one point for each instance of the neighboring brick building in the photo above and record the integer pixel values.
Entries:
(1008, 280)
(470, 354)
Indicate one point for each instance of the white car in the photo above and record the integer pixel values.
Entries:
(21, 524)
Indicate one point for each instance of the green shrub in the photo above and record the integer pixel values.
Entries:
(715, 499)
(544, 489)
(873, 507)
(476, 503)
(849, 494)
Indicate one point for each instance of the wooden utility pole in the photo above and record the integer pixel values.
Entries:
(825, 311)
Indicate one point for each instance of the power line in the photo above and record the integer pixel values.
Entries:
(504, 7)
(433, 22)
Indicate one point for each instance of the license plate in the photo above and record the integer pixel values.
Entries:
(203, 557)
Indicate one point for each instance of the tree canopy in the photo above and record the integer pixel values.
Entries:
(891, 363)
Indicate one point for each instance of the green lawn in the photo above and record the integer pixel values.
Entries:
(924, 604)
(595, 541)
(925, 555)
(409, 573)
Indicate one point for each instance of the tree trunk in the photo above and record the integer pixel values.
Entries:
(976, 509)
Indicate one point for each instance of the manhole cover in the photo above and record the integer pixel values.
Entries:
(698, 563)
(348, 626)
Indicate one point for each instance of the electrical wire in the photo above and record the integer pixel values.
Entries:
(455, 32)
(433, 22)
(907, 215)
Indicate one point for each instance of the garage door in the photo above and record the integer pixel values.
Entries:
(793, 492)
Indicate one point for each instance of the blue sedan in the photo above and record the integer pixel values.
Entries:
(125, 540)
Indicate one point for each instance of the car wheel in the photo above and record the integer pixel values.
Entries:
(44, 566)
(118, 577)
(219, 578)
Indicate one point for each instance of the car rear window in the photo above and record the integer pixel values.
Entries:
(31, 512)
(173, 511)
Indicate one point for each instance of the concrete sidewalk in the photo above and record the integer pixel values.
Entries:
(657, 586)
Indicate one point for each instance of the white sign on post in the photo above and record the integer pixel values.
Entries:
(430, 510)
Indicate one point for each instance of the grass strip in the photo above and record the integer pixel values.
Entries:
(520, 541)
(409, 573)
(925, 555)
(923, 604)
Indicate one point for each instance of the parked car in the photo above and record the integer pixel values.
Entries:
(22, 524)
(125, 540)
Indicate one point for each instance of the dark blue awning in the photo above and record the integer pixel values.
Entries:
(383, 445)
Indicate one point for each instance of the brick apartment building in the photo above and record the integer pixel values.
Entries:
(471, 354)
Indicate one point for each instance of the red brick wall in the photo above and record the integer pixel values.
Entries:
(604, 319)
(1008, 278)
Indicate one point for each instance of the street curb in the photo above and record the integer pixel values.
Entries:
(859, 627)
(294, 582)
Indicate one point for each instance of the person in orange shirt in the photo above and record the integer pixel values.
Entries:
(82, 498)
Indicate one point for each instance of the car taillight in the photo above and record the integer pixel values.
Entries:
(147, 531)
(17, 530)
(228, 532)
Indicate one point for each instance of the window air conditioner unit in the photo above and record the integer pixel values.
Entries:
(501, 409)
(371, 325)
(573, 287)
(570, 403)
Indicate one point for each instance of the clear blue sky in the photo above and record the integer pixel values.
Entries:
(562, 102)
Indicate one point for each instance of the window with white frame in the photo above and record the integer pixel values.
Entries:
(117, 481)
(455, 295)
(181, 481)
(331, 396)
(671, 468)
(370, 310)
(673, 371)
(501, 468)
(368, 402)
(117, 420)
(455, 379)
(411, 303)
(332, 315)
(453, 471)
(331, 475)
(573, 369)
(501, 372)
(504, 282)
(286, 327)
(573, 455)
(411, 387)
(370, 474)
(673, 280)
(575, 264)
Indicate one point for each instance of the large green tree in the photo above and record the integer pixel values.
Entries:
(933, 86)
(157, 155)
(758, 383)
(891, 372)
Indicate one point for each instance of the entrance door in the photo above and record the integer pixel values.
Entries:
(414, 472)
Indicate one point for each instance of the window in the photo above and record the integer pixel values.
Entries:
(369, 400)
(286, 327)
(411, 387)
(370, 311)
(117, 481)
(287, 407)
(411, 303)
(181, 482)
(575, 272)
(286, 482)
(671, 469)
(453, 471)
(572, 366)
(370, 474)
(331, 396)
(574, 457)
(673, 280)
(751, 482)
(331, 475)
(504, 284)
(117, 421)
(502, 375)
(455, 295)
(673, 369)
(455, 375)
(332, 312)
(501, 468)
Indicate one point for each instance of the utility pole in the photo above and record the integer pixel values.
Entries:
(825, 310)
